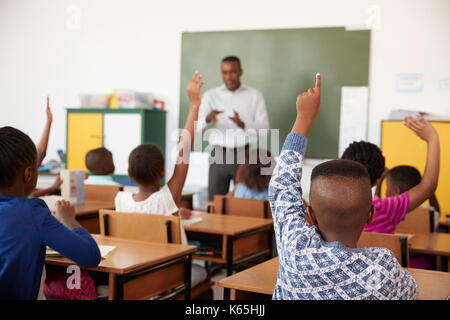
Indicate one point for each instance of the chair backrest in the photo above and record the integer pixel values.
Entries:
(398, 244)
(242, 207)
(101, 192)
(140, 226)
(420, 220)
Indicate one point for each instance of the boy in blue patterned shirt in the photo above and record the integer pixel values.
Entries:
(321, 261)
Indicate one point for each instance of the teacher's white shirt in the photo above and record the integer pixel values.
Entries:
(247, 102)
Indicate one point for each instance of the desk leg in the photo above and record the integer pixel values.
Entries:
(229, 255)
(187, 276)
(226, 294)
(226, 291)
(112, 286)
(444, 263)
(119, 287)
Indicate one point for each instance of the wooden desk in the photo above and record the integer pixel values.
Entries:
(139, 269)
(433, 285)
(259, 282)
(434, 243)
(87, 214)
(241, 238)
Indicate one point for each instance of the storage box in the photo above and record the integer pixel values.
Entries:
(129, 99)
(97, 101)
(72, 188)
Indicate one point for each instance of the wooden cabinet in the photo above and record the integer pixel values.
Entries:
(118, 130)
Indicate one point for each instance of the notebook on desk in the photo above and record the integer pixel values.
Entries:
(188, 222)
(104, 251)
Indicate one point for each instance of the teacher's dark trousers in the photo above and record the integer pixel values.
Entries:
(224, 163)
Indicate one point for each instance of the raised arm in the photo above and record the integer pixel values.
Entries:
(43, 143)
(425, 189)
(176, 183)
(285, 192)
(53, 188)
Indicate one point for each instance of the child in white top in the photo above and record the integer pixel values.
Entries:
(146, 168)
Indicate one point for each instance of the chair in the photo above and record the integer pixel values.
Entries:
(151, 228)
(242, 207)
(418, 221)
(254, 208)
(398, 244)
(100, 192)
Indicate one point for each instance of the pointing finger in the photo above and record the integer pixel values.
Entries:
(318, 81)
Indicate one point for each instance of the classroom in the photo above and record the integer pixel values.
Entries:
(243, 150)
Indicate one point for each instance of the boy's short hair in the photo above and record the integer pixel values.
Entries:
(251, 173)
(369, 155)
(16, 151)
(95, 160)
(232, 59)
(404, 177)
(145, 164)
(341, 195)
(340, 168)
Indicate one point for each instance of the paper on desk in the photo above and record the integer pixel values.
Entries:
(104, 251)
(188, 222)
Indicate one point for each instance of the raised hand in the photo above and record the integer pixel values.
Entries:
(421, 127)
(237, 120)
(194, 89)
(308, 104)
(49, 112)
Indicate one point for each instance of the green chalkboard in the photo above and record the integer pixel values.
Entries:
(282, 64)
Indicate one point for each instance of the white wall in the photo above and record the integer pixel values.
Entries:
(137, 44)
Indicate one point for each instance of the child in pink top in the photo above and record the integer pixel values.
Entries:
(389, 212)
(392, 210)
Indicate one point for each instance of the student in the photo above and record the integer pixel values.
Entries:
(41, 153)
(100, 164)
(27, 226)
(146, 168)
(399, 180)
(392, 210)
(402, 178)
(321, 261)
(253, 176)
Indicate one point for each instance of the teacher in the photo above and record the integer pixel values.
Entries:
(231, 116)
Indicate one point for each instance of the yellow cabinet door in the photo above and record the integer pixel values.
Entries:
(84, 132)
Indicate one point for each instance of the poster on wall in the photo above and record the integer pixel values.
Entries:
(410, 82)
(444, 84)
